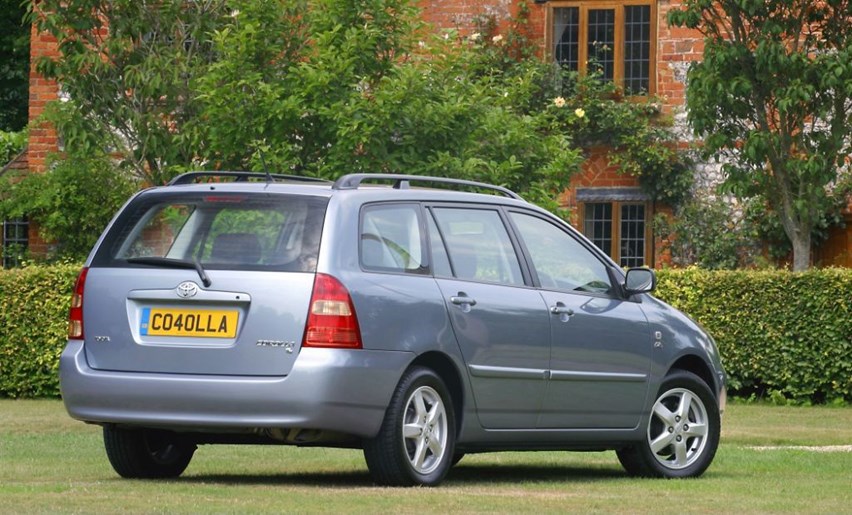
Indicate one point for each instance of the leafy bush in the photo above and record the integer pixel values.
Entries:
(707, 232)
(10, 144)
(71, 203)
(33, 314)
(783, 336)
(779, 333)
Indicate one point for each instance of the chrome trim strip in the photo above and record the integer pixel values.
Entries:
(572, 375)
(506, 372)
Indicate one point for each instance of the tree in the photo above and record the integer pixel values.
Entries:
(372, 91)
(323, 89)
(773, 99)
(126, 68)
(71, 202)
(14, 67)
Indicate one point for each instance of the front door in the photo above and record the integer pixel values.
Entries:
(601, 344)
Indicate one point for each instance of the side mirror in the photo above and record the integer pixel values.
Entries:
(640, 280)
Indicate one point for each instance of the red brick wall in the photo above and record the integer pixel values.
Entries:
(43, 138)
(676, 47)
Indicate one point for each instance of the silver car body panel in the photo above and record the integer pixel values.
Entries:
(335, 390)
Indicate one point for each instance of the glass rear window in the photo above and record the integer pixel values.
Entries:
(221, 231)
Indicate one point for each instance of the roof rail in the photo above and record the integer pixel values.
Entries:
(402, 182)
(190, 177)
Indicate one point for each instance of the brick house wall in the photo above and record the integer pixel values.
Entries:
(674, 48)
(43, 139)
(599, 180)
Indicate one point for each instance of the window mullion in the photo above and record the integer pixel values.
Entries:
(583, 50)
(616, 232)
(618, 51)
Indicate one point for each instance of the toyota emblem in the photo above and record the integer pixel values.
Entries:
(187, 289)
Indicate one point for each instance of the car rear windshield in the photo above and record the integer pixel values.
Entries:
(221, 231)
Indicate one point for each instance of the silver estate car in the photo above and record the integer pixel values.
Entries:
(416, 318)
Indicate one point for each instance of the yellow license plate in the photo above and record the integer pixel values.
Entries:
(204, 323)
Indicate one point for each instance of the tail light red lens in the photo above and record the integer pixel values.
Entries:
(75, 314)
(331, 320)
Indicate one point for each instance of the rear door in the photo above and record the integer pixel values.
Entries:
(501, 324)
(147, 307)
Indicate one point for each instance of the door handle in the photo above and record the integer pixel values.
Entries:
(561, 309)
(462, 299)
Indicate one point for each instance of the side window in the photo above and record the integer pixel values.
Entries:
(560, 261)
(391, 240)
(479, 246)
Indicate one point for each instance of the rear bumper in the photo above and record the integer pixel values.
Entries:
(330, 389)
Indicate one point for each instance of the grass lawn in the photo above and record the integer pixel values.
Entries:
(50, 463)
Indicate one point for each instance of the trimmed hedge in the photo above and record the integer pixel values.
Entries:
(785, 335)
(782, 335)
(34, 305)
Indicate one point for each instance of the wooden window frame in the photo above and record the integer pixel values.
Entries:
(615, 245)
(618, 51)
(8, 243)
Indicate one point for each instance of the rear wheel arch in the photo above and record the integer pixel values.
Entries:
(442, 365)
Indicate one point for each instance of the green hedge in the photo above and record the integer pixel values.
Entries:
(34, 305)
(785, 335)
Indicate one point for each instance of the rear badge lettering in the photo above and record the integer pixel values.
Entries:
(288, 346)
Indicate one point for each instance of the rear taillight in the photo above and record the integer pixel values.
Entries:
(331, 319)
(75, 314)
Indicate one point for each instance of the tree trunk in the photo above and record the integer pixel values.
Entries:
(801, 241)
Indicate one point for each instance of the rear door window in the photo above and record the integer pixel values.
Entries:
(225, 231)
(478, 245)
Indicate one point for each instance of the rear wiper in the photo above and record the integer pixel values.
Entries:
(174, 263)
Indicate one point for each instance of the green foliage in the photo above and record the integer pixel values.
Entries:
(127, 68)
(777, 331)
(14, 67)
(33, 314)
(333, 88)
(640, 142)
(587, 110)
(366, 96)
(11, 144)
(772, 97)
(71, 203)
(707, 233)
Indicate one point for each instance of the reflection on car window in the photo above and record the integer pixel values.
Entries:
(227, 231)
(560, 261)
(478, 245)
(391, 239)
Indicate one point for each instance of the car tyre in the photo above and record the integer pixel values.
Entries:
(682, 432)
(146, 454)
(415, 443)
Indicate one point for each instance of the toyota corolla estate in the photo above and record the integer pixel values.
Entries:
(416, 318)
